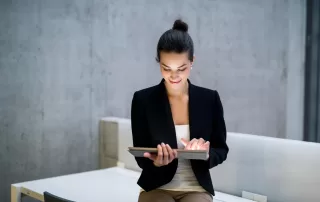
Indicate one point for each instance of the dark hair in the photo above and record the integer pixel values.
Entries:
(176, 40)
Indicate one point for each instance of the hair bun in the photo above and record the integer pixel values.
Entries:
(180, 25)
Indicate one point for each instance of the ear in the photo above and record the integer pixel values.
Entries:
(194, 57)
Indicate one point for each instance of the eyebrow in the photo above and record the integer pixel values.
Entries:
(170, 67)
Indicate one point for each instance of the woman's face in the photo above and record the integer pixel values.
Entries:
(175, 69)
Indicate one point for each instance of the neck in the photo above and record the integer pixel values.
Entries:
(178, 92)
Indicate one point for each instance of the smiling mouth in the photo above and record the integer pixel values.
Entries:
(175, 82)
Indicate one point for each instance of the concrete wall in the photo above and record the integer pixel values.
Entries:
(65, 64)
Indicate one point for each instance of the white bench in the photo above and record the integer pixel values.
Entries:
(281, 169)
(112, 184)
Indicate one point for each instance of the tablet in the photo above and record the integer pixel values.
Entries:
(182, 154)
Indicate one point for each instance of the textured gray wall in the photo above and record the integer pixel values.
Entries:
(65, 64)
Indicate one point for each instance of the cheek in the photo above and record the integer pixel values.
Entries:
(165, 74)
(186, 73)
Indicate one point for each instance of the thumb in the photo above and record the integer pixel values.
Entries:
(149, 156)
(184, 141)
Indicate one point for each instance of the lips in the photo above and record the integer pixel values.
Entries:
(175, 82)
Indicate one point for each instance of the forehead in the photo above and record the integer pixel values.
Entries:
(173, 58)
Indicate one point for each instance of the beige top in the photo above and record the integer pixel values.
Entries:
(184, 179)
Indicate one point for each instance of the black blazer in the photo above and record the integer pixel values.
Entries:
(152, 123)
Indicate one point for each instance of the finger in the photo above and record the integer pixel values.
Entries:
(190, 143)
(147, 155)
(159, 159)
(207, 144)
(194, 145)
(184, 142)
(175, 153)
(201, 141)
(171, 154)
(165, 154)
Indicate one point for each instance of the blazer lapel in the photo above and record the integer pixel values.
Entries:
(194, 112)
(160, 116)
(169, 123)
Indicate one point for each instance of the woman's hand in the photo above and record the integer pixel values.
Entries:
(196, 144)
(164, 157)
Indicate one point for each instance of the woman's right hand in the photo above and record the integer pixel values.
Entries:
(165, 155)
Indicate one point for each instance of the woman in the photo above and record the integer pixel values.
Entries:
(168, 116)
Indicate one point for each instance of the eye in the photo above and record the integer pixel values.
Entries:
(181, 70)
(165, 69)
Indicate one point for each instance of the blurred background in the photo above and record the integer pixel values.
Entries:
(64, 64)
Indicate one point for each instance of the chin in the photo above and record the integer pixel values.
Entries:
(175, 87)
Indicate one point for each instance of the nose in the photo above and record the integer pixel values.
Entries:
(174, 75)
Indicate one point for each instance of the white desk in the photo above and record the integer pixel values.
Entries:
(113, 184)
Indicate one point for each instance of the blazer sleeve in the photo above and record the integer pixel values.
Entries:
(140, 134)
(218, 146)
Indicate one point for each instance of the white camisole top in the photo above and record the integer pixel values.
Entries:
(184, 179)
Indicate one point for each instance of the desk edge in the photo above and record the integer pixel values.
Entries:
(32, 194)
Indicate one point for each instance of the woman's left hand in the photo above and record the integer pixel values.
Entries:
(196, 144)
